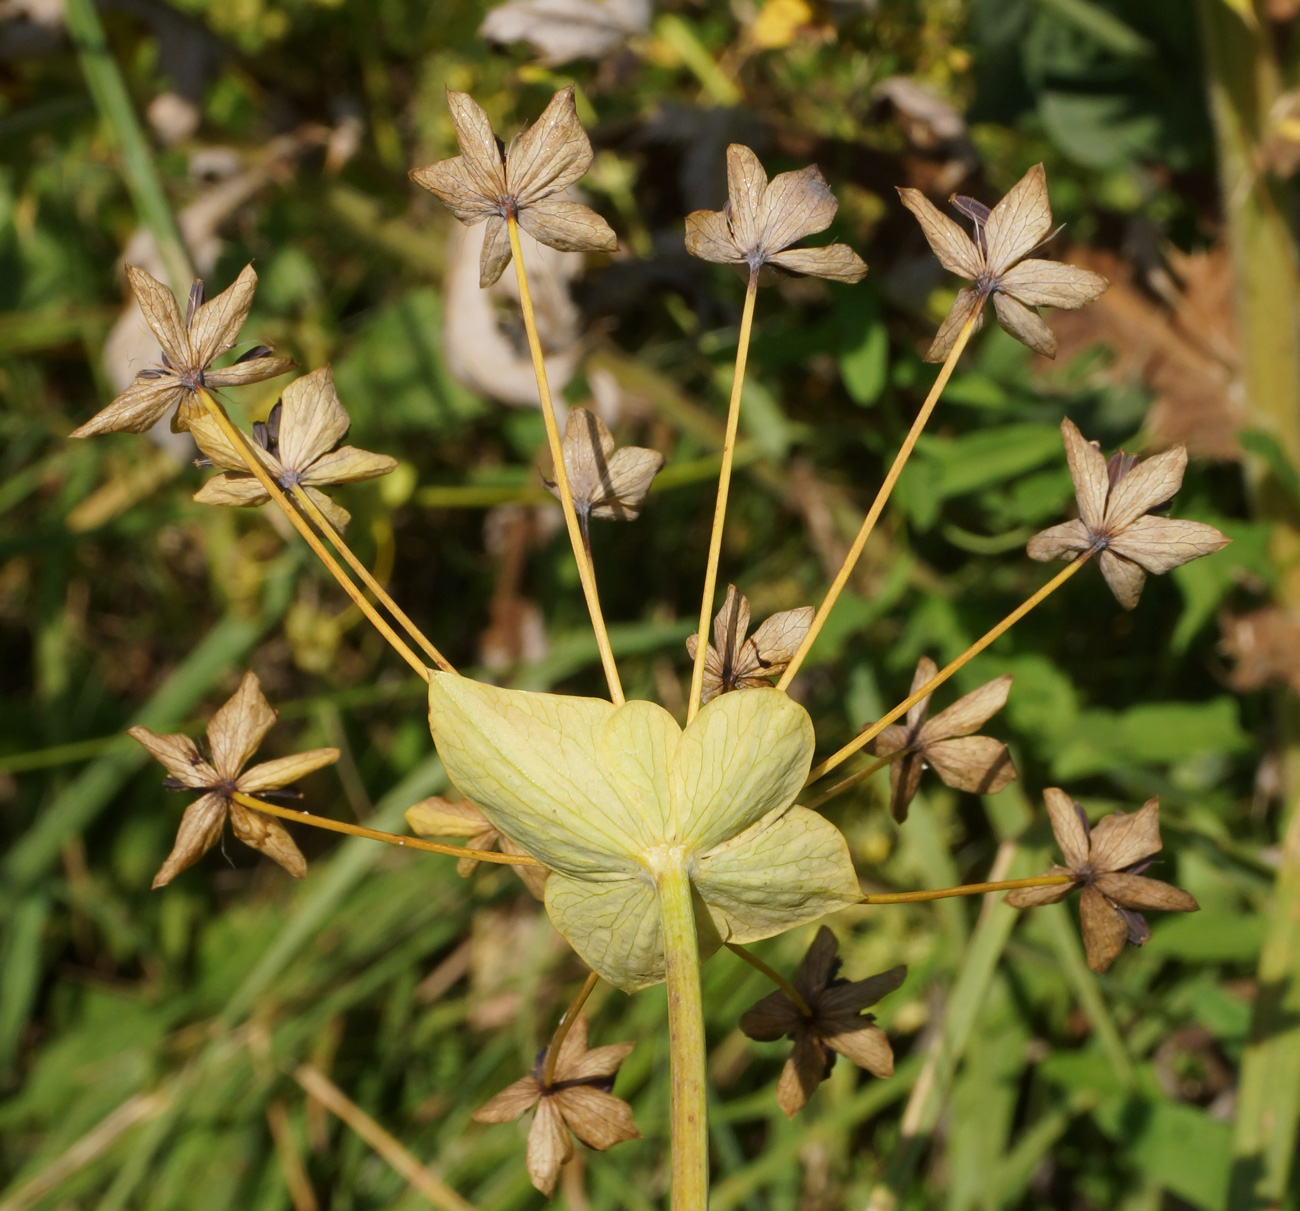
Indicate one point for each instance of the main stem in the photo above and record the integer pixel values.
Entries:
(374, 834)
(586, 574)
(309, 506)
(878, 505)
(300, 523)
(724, 490)
(689, 1112)
(865, 737)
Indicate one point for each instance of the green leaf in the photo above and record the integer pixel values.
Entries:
(1155, 734)
(865, 368)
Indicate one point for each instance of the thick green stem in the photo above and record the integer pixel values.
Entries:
(1245, 80)
(690, 1126)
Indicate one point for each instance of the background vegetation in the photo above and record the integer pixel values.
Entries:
(145, 1037)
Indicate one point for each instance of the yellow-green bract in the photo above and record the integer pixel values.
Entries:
(608, 796)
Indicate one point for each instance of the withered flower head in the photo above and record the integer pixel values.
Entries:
(234, 734)
(1116, 503)
(578, 1099)
(488, 181)
(736, 663)
(298, 445)
(439, 817)
(760, 221)
(189, 347)
(836, 1024)
(1107, 862)
(606, 483)
(995, 262)
(978, 764)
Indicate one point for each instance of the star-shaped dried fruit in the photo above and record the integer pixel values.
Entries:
(487, 181)
(298, 445)
(736, 663)
(439, 817)
(606, 483)
(1117, 500)
(234, 734)
(978, 764)
(576, 1100)
(834, 1022)
(1107, 862)
(994, 261)
(189, 347)
(760, 221)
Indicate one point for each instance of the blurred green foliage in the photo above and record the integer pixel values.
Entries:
(121, 600)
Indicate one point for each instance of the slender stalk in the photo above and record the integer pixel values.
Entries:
(114, 104)
(865, 737)
(853, 779)
(877, 505)
(566, 1024)
(325, 1091)
(585, 571)
(689, 1112)
(796, 997)
(309, 506)
(724, 490)
(966, 889)
(358, 830)
(254, 464)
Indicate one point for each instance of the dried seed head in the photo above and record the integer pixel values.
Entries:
(736, 663)
(606, 483)
(189, 347)
(835, 1024)
(439, 817)
(760, 221)
(299, 447)
(576, 1100)
(488, 183)
(978, 764)
(234, 734)
(1107, 863)
(1117, 500)
(994, 261)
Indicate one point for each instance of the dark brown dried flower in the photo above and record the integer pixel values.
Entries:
(234, 734)
(605, 483)
(439, 817)
(189, 347)
(487, 181)
(978, 764)
(1107, 862)
(995, 262)
(760, 221)
(578, 1099)
(836, 1024)
(298, 445)
(1116, 503)
(736, 663)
